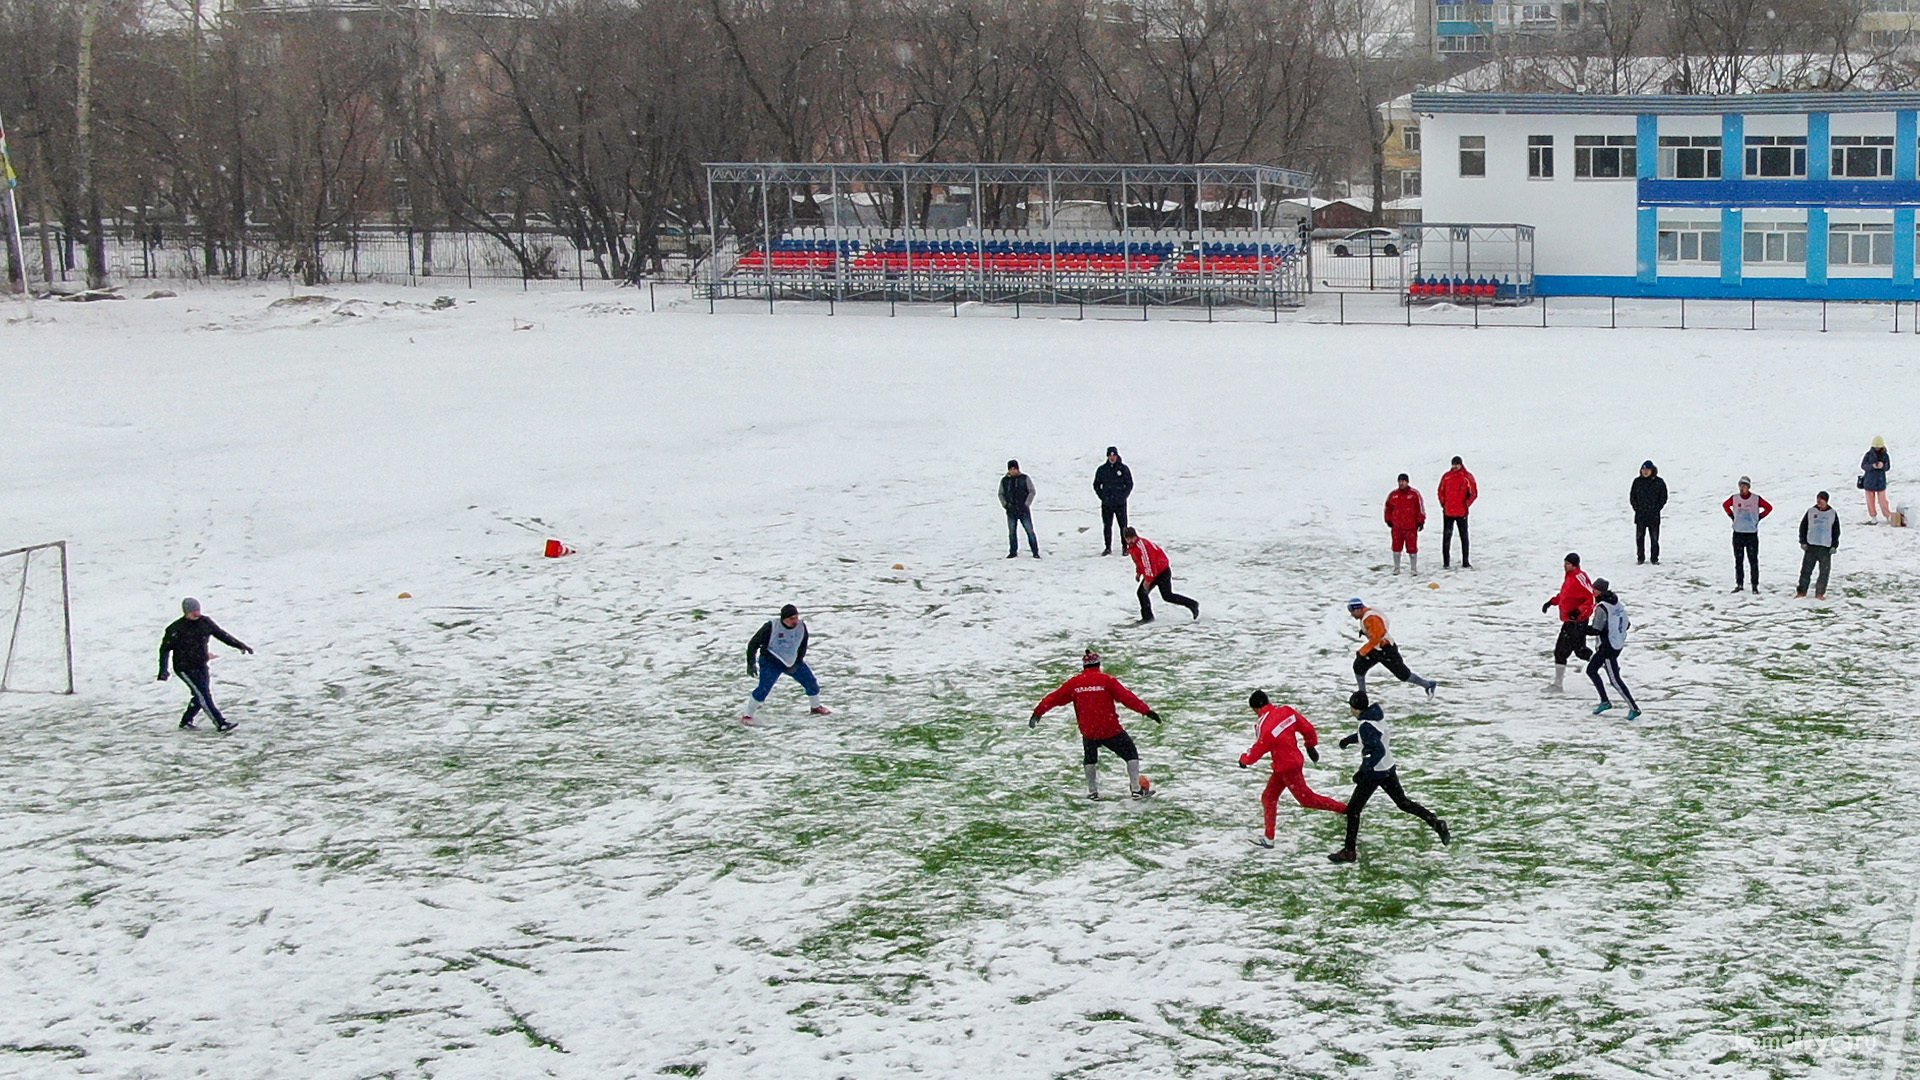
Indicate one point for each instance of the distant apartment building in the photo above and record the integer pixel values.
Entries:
(1464, 28)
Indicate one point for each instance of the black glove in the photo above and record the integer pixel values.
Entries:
(752, 669)
(246, 649)
(163, 677)
(1545, 606)
(1243, 764)
(1314, 754)
(1349, 741)
(1033, 721)
(1153, 716)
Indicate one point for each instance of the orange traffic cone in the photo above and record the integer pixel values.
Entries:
(555, 549)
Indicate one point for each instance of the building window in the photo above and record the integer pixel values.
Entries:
(1410, 138)
(1690, 241)
(1540, 157)
(1861, 244)
(1473, 155)
(1604, 157)
(1689, 157)
(1409, 183)
(1777, 155)
(1536, 13)
(1863, 156)
(1776, 242)
(1463, 43)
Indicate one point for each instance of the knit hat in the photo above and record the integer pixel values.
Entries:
(1012, 464)
(1573, 557)
(1356, 604)
(1258, 700)
(1114, 450)
(1457, 461)
(1648, 465)
(1402, 476)
(1747, 480)
(1601, 585)
(1090, 659)
(190, 606)
(1359, 700)
(789, 611)
(1879, 443)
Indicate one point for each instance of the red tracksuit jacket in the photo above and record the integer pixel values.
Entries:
(1457, 492)
(1405, 509)
(1576, 597)
(1149, 561)
(1093, 693)
(1278, 725)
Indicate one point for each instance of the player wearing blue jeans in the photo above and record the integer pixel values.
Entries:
(780, 648)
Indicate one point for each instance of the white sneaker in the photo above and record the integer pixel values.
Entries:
(1553, 688)
(1260, 840)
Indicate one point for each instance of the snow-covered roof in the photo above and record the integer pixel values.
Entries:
(1685, 75)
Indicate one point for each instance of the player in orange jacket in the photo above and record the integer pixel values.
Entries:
(1406, 515)
(1379, 649)
(1280, 732)
(1093, 693)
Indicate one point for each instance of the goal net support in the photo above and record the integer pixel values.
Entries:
(37, 618)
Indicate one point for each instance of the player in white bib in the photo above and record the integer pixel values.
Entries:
(780, 648)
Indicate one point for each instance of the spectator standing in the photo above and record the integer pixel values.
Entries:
(1648, 497)
(1458, 490)
(1747, 510)
(1873, 478)
(1406, 515)
(1819, 539)
(1016, 497)
(1112, 482)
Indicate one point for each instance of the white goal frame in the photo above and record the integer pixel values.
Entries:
(66, 611)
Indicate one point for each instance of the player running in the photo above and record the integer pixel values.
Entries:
(1279, 732)
(1153, 569)
(1609, 624)
(1379, 649)
(1575, 600)
(780, 648)
(1379, 771)
(185, 641)
(1093, 693)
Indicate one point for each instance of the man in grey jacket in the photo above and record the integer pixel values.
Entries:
(1819, 538)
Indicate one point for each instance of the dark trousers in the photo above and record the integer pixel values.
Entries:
(1165, 584)
(1819, 555)
(1571, 642)
(1109, 513)
(1386, 656)
(1015, 519)
(1120, 745)
(201, 686)
(1606, 661)
(1364, 784)
(1750, 544)
(1645, 535)
(1446, 541)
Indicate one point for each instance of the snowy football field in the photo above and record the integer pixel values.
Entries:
(510, 827)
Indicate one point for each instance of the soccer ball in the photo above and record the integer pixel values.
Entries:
(1146, 784)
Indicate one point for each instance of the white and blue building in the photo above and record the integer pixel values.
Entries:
(1771, 196)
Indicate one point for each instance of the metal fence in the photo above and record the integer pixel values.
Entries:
(393, 254)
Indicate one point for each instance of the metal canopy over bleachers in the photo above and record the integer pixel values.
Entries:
(1134, 234)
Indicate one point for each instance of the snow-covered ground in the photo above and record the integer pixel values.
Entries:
(509, 827)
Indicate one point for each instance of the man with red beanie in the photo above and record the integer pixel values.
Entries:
(1093, 693)
(1279, 732)
(1406, 516)
(1575, 601)
(1457, 492)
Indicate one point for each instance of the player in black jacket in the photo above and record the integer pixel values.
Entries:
(186, 642)
(1377, 771)
(1113, 482)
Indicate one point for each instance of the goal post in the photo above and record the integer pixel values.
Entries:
(37, 615)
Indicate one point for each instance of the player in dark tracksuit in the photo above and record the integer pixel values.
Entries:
(1112, 482)
(1377, 771)
(186, 643)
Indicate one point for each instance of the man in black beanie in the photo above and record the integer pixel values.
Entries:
(1113, 482)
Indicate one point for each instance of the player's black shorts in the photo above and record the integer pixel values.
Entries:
(1121, 744)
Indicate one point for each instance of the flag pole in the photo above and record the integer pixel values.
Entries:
(16, 252)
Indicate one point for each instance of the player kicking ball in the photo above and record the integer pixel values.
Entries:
(1093, 693)
(1280, 732)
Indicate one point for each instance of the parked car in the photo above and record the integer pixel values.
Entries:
(1369, 242)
